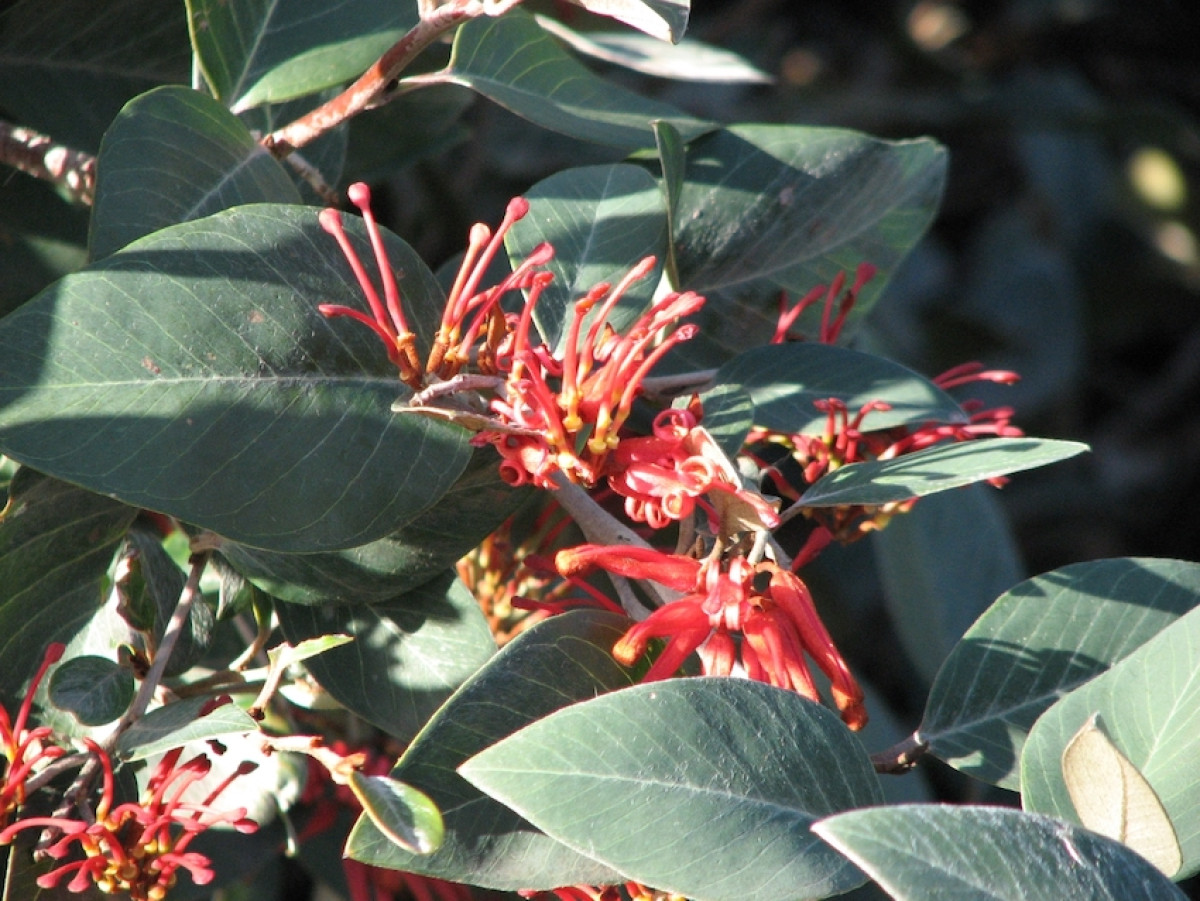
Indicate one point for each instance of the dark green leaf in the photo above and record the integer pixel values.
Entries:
(97, 690)
(45, 238)
(325, 154)
(192, 373)
(917, 852)
(679, 784)
(179, 723)
(66, 68)
(1150, 707)
(565, 659)
(260, 51)
(771, 208)
(407, 656)
(382, 570)
(728, 416)
(383, 140)
(1041, 640)
(672, 159)
(938, 468)
(56, 544)
(784, 380)
(600, 220)
(663, 19)
(173, 155)
(400, 812)
(942, 564)
(513, 62)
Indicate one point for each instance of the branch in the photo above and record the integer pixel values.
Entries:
(371, 89)
(72, 171)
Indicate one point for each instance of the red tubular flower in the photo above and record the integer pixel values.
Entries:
(139, 847)
(778, 624)
(831, 324)
(25, 750)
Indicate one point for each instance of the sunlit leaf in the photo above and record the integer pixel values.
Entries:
(181, 722)
(662, 19)
(399, 811)
(1149, 703)
(262, 51)
(1039, 641)
(922, 851)
(707, 774)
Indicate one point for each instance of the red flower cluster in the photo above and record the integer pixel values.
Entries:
(777, 622)
(139, 847)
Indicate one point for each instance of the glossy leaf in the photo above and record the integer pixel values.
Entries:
(378, 572)
(95, 689)
(771, 208)
(407, 656)
(191, 373)
(934, 469)
(706, 775)
(672, 159)
(728, 416)
(687, 60)
(564, 659)
(784, 380)
(173, 155)
(663, 19)
(67, 70)
(399, 811)
(513, 62)
(941, 566)
(1112, 798)
(181, 722)
(925, 851)
(260, 51)
(1041, 640)
(601, 221)
(56, 545)
(1150, 706)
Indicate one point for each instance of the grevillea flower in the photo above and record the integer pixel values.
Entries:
(759, 615)
(564, 413)
(138, 847)
(551, 413)
(835, 299)
(471, 315)
(25, 749)
(634, 891)
(663, 476)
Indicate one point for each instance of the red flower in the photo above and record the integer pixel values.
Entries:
(777, 623)
(25, 749)
(139, 847)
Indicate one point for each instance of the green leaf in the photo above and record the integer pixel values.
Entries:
(707, 774)
(686, 60)
(179, 723)
(784, 380)
(173, 155)
(326, 153)
(1041, 640)
(67, 70)
(662, 19)
(1150, 706)
(941, 565)
(672, 158)
(513, 62)
(407, 657)
(380, 571)
(600, 220)
(45, 238)
(191, 373)
(285, 655)
(56, 544)
(400, 812)
(564, 659)
(97, 690)
(771, 208)
(261, 51)
(923, 851)
(934, 469)
(728, 416)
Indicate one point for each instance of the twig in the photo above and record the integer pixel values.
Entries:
(378, 80)
(73, 171)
